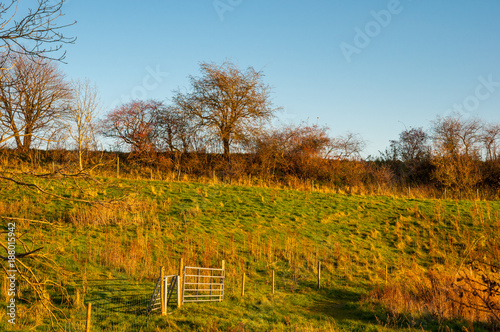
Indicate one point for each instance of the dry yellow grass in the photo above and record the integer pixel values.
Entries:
(442, 293)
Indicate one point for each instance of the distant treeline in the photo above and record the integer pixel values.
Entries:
(221, 129)
(456, 156)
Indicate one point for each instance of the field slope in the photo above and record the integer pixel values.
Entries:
(362, 242)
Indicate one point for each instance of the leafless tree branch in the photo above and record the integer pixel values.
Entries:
(34, 31)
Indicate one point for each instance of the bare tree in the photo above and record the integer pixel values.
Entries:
(82, 116)
(491, 141)
(34, 31)
(175, 133)
(454, 135)
(457, 152)
(347, 147)
(34, 99)
(410, 156)
(226, 102)
(412, 145)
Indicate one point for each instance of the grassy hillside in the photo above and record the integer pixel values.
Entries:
(363, 243)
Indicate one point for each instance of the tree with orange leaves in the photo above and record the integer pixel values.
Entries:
(134, 125)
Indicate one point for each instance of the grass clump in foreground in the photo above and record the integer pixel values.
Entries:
(383, 258)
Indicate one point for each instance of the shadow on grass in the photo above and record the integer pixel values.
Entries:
(347, 308)
(343, 304)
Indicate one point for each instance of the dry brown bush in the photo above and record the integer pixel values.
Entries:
(470, 294)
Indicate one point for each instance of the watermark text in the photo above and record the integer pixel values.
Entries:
(11, 272)
(150, 81)
(223, 6)
(373, 28)
(483, 91)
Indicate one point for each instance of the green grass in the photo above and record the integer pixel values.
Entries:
(255, 230)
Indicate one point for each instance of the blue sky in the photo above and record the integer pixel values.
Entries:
(367, 67)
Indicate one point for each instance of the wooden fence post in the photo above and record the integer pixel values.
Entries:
(223, 267)
(273, 281)
(166, 295)
(319, 275)
(181, 266)
(118, 166)
(162, 292)
(89, 309)
(179, 286)
(243, 285)
(179, 282)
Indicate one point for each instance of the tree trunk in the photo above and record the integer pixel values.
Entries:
(225, 143)
(80, 164)
(26, 145)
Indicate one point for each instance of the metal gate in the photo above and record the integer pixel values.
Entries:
(170, 285)
(195, 284)
(202, 284)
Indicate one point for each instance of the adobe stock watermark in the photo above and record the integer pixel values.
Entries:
(364, 36)
(483, 91)
(152, 80)
(11, 273)
(224, 6)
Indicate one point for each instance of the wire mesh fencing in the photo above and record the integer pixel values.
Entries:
(115, 306)
(120, 313)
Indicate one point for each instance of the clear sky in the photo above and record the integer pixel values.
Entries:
(368, 67)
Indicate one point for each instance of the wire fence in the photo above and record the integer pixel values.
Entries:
(115, 314)
(117, 305)
(122, 305)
